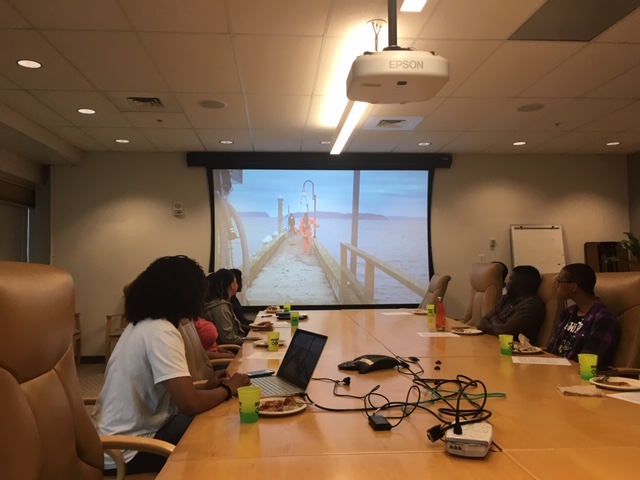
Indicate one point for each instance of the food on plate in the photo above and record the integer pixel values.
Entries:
(273, 308)
(280, 405)
(266, 325)
(605, 381)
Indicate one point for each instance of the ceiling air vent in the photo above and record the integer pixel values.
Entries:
(145, 102)
(391, 124)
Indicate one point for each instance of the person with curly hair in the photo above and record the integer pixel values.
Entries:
(148, 391)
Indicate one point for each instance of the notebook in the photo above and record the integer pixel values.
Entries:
(297, 366)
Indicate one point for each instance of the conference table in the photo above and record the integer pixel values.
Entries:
(538, 432)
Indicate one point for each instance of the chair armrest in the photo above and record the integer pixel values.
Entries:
(230, 346)
(90, 400)
(113, 444)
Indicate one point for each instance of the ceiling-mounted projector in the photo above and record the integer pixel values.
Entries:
(396, 76)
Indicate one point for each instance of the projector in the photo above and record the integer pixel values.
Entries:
(396, 76)
(474, 441)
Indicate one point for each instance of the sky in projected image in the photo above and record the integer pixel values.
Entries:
(388, 193)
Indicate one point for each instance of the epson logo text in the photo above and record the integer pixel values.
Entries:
(407, 64)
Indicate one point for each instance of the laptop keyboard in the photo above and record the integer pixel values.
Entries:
(274, 386)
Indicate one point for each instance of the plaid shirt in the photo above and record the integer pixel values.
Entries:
(599, 334)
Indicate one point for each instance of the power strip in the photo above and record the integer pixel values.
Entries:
(474, 441)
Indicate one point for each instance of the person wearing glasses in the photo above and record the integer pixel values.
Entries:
(588, 326)
(520, 311)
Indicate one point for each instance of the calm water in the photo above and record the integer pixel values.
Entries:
(402, 243)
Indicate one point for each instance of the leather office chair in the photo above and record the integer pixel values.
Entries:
(437, 288)
(486, 291)
(45, 430)
(548, 293)
(77, 339)
(200, 367)
(620, 291)
(116, 323)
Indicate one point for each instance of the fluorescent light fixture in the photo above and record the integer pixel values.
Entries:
(350, 117)
(413, 5)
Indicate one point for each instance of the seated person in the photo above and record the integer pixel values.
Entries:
(218, 309)
(520, 310)
(148, 391)
(237, 308)
(208, 334)
(588, 326)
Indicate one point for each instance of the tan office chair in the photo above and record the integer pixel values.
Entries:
(77, 338)
(116, 323)
(200, 367)
(548, 293)
(45, 430)
(620, 291)
(486, 291)
(437, 288)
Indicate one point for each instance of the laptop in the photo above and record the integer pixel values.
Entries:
(297, 366)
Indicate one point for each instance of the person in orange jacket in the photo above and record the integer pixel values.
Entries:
(307, 232)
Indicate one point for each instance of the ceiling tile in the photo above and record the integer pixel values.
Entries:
(623, 119)
(293, 18)
(627, 85)
(438, 140)
(507, 117)
(473, 142)
(110, 60)
(6, 84)
(10, 18)
(232, 116)
(290, 110)
(520, 65)
(277, 140)
(593, 66)
(157, 120)
(78, 138)
(169, 101)
(277, 64)
(211, 140)
(67, 103)
(505, 145)
(195, 62)
(107, 136)
(625, 31)
(73, 14)
(203, 16)
(460, 114)
(566, 142)
(577, 112)
(173, 139)
(27, 105)
(462, 19)
(56, 72)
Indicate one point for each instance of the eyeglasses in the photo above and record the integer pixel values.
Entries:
(558, 282)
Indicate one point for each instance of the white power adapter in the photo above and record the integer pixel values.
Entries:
(474, 441)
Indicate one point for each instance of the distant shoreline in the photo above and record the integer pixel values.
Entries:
(367, 216)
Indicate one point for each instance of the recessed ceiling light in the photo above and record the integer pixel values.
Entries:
(531, 107)
(612, 144)
(424, 144)
(518, 144)
(211, 104)
(86, 111)
(325, 142)
(226, 142)
(122, 140)
(29, 63)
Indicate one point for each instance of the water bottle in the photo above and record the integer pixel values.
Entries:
(441, 317)
(431, 317)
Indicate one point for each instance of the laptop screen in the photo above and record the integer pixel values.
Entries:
(301, 358)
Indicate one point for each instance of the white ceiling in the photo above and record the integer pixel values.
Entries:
(274, 63)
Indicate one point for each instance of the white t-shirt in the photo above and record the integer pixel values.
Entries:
(133, 400)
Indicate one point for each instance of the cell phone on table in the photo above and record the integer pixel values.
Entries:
(260, 373)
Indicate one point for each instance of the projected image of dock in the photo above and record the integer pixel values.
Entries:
(335, 237)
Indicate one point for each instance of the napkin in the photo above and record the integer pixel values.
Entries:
(524, 343)
(581, 391)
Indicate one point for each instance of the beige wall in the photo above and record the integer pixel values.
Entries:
(111, 216)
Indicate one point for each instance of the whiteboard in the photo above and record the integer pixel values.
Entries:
(538, 245)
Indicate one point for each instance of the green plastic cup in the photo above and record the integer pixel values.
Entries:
(506, 344)
(588, 365)
(249, 398)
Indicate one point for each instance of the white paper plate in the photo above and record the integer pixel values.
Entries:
(466, 331)
(419, 311)
(631, 383)
(300, 406)
(263, 343)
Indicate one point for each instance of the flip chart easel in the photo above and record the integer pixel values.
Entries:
(538, 245)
